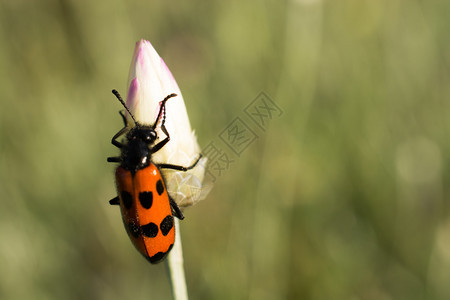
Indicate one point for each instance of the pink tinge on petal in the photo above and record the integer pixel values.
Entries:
(132, 98)
(166, 68)
(140, 58)
(147, 43)
(142, 62)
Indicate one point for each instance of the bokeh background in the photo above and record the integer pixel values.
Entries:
(343, 196)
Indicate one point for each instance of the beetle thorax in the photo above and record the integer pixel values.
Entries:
(136, 154)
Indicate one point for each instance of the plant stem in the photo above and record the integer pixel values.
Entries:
(175, 267)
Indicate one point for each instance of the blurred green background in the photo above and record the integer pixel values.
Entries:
(344, 196)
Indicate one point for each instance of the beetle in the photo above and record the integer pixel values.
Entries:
(147, 208)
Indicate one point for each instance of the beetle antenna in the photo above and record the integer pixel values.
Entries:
(163, 107)
(116, 93)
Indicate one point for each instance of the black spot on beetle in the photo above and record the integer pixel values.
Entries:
(133, 229)
(146, 199)
(126, 199)
(158, 257)
(166, 225)
(159, 187)
(150, 230)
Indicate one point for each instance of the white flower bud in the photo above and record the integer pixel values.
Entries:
(149, 82)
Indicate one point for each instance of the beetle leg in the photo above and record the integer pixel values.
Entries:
(175, 209)
(114, 201)
(180, 168)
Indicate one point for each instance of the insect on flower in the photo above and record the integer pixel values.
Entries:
(147, 208)
(159, 148)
